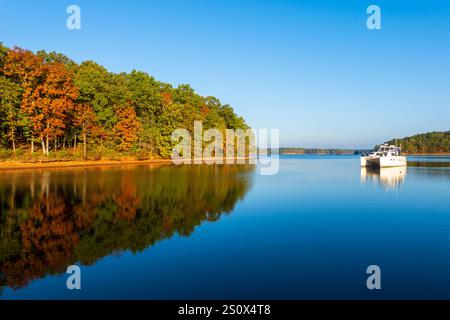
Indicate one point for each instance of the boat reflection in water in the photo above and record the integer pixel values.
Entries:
(389, 178)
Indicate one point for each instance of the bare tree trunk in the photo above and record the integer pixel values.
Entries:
(84, 145)
(64, 142)
(47, 151)
(43, 146)
(47, 142)
(12, 139)
(32, 145)
(75, 142)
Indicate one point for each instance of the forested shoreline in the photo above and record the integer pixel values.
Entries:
(320, 151)
(435, 142)
(425, 143)
(52, 107)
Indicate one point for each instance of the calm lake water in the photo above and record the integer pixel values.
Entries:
(163, 232)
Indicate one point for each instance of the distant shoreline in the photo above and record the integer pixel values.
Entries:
(429, 154)
(319, 154)
(346, 154)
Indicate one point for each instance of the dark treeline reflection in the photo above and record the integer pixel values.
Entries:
(52, 219)
(429, 164)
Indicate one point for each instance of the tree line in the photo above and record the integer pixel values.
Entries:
(431, 142)
(52, 106)
(294, 150)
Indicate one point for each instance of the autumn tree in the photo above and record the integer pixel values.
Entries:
(53, 99)
(25, 69)
(127, 127)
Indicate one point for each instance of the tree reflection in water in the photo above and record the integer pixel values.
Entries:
(51, 219)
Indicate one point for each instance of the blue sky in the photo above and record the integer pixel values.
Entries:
(310, 68)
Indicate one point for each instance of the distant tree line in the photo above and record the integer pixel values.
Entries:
(50, 105)
(318, 151)
(431, 142)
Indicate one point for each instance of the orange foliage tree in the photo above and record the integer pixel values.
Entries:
(48, 94)
(24, 68)
(53, 100)
(127, 127)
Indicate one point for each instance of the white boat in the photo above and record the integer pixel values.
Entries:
(385, 156)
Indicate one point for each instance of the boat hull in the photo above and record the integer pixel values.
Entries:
(366, 161)
(383, 162)
(363, 161)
